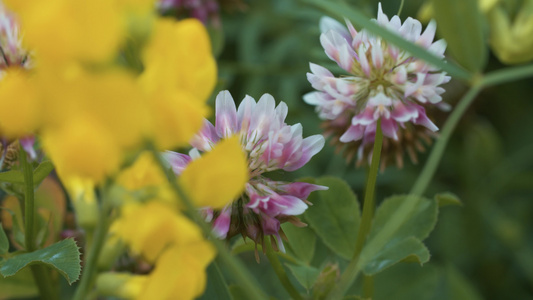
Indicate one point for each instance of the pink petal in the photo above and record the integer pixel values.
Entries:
(222, 223)
(177, 161)
(226, 115)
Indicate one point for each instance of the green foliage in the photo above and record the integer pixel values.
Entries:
(216, 287)
(301, 243)
(39, 174)
(335, 215)
(460, 24)
(445, 199)
(404, 241)
(63, 256)
(306, 275)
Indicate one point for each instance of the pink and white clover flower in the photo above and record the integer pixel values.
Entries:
(384, 82)
(271, 145)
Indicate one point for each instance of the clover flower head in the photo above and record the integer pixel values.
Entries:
(384, 82)
(203, 10)
(270, 144)
(11, 50)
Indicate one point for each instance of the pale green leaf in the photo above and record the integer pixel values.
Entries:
(410, 249)
(459, 22)
(445, 199)
(21, 285)
(42, 170)
(306, 275)
(404, 238)
(63, 256)
(335, 215)
(302, 241)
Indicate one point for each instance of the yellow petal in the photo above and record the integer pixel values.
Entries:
(218, 177)
(19, 105)
(60, 30)
(121, 285)
(179, 56)
(179, 273)
(82, 148)
(143, 173)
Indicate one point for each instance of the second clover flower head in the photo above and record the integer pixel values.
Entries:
(270, 144)
(384, 82)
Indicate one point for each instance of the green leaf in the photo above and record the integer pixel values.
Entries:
(306, 275)
(404, 239)
(4, 242)
(39, 174)
(63, 256)
(335, 215)
(12, 176)
(216, 287)
(42, 170)
(301, 243)
(445, 199)
(358, 18)
(459, 22)
(407, 250)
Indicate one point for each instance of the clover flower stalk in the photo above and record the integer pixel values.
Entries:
(383, 82)
(270, 144)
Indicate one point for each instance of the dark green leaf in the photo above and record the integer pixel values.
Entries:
(459, 22)
(216, 288)
(458, 285)
(4, 242)
(301, 241)
(404, 237)
(445, 199)
(63, 256)
(335, 215)
(305, 275)
(410, 250)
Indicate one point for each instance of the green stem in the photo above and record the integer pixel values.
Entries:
(237, 269)
(351, 272)
(400, 9)
(41, 274)
(438, 150)
(507, 75)
(280, 271)
(89, 270)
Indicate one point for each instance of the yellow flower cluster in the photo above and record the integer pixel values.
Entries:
(88, 110)
(91, 109)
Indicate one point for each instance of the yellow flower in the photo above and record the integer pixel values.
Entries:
(179, 75)
(178, 55)
(179, 273)
(219, 176)
(169, 241)
(60, 30)
(82, 149)
(19, 106)
(150, 228)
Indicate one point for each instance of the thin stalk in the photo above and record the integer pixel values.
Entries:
(353, 268)
(235, 267)
(507, 75)
(89, 270)
(401, 8)
(280, 271)
(41, 274)
(438, 150)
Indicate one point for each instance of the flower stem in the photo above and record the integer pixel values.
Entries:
(40, 273)
(237, 269)
(282, 276)
(353, 268)
(89, 271)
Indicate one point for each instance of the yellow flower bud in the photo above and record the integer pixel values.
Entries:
(511, 39)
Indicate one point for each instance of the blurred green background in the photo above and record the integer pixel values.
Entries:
(481, 250)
